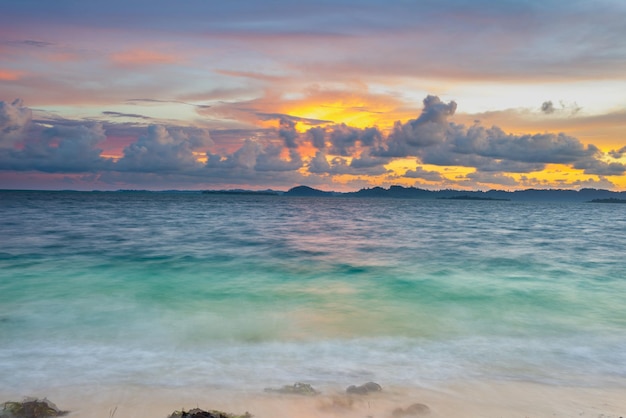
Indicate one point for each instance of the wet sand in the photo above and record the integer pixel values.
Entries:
(475, 399)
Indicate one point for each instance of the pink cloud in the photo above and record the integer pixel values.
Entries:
(141, 57)
(9, 75)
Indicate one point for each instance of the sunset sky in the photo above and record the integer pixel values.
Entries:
(336, 95)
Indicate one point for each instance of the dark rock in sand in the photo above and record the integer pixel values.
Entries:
(199, 413)
(295, 389)
(414, 410)
(364, 389)
(31, 408)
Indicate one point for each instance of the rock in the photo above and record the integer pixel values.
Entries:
(30, 408)
(413, 410)
(199, 413)
(364, 389)
(296, 389)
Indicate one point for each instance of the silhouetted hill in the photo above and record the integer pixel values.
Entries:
(307, 191)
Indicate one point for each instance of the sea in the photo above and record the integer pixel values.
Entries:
(247, 292)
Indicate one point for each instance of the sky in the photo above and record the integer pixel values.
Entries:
(337, 95)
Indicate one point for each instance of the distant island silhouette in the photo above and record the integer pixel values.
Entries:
(401, 192)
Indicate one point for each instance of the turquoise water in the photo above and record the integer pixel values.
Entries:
(175, 290)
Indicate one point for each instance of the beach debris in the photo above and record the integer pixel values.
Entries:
(413, 410)
(295, 389)
(31, 408)
(364, 389)
(200, 413)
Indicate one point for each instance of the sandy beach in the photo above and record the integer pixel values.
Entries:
(475, 399)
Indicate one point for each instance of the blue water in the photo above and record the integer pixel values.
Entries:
(176, 290)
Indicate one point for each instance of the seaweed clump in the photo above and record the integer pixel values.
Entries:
(199, 413)
(31, 408)
(296, 389)
(364, 389)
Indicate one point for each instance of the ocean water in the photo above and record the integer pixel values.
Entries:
(245, 292)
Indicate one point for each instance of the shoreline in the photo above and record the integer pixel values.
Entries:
(484, 399)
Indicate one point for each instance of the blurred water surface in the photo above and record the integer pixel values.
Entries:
(174, 289)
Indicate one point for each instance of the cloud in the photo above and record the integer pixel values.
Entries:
(59, 149)
(344, 140)
(492, 178)
(287, 131)
(165, 150)
(270, 160)
(317, 138)
(428, 129)
(319, 164)
(547, 107)
(142, 57)
(435, 140)
(618, 153)
(31, 42)
(199, 106)
(9, 75)
(420, 173)
(14, 120)
(368, 164)
(280, 155)
(291, 118)
(570, 109)
(124, 115)
(602, 168)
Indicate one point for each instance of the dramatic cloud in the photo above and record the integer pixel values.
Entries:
(165, 150)
(59, 149)
(284, 155)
